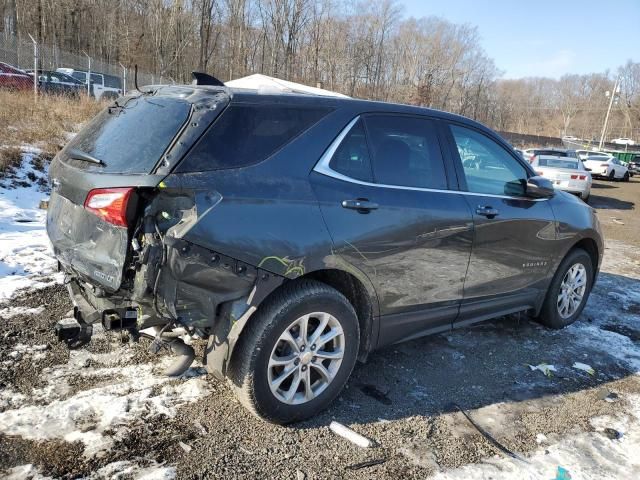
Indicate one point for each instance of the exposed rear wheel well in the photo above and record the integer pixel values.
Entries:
(357, 295)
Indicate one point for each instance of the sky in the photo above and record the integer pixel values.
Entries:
(544, 37)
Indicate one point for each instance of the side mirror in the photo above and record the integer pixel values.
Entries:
(539, 187)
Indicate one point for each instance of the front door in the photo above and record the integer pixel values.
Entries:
(514, 235)
(383, 194)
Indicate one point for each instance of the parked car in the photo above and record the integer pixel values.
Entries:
(565, 173)
(103, 86)
(531, 153)
(570, 137)
(12, 78)
(58, 83)
(623, 141)
(606, 166)
(298, 233)
(634, 166)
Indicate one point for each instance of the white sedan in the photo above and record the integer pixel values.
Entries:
(566, 173)
(606, 167)
(623, 141)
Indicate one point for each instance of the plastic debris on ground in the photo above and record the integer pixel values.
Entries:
(584, 367)
(544, 368)
(353, 437)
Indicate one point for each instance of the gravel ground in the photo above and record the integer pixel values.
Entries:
(407, 398)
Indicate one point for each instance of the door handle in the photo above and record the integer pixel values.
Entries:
(487, 211)
(362, 205)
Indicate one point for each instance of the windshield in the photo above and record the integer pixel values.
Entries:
(558, 163)
(132, 137)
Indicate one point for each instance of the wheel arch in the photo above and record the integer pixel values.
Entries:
(361, 296)
(590, 246)
(232, 322)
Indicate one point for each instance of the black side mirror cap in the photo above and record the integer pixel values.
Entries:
(539, 187)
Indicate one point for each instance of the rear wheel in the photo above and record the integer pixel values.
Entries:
(626, 176)
(612, 175)
(569, 290)
(296, 353)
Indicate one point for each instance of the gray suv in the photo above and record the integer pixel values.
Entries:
(297, 234)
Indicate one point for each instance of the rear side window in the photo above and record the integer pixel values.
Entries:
(111, 81)
(405, 152)
(248, 134)
(131, 139)
(352, 156)
(80, 76)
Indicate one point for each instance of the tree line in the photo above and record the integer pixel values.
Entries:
(366, 49)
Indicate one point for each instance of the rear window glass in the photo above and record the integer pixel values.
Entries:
(555, 153)
(131, 139)
(557, 163)
(247, 134)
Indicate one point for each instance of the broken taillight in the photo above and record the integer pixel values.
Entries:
(110, 204)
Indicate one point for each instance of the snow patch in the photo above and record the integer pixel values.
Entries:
(25, 251)
(121, 395)
(586, 455)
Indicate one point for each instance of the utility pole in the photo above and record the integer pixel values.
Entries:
(124, 79)
(35, 68)
(616, 87)
(88, 74)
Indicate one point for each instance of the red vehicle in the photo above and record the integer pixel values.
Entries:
(14, 79)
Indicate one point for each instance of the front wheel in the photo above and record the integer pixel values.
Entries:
(297, 352)
(569, 290)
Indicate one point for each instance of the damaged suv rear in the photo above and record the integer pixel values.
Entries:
(298, 233)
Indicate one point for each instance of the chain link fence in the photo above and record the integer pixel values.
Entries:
(26, 54)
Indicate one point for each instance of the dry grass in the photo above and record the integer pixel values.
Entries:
(10, 157)
(43, 124)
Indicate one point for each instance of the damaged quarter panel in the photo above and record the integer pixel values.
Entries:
(266, 215)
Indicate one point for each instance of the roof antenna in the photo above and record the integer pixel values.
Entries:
(135, 76)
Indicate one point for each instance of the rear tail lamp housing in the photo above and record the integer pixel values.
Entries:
(110, 204)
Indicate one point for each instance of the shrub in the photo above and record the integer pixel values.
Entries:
(10, 158)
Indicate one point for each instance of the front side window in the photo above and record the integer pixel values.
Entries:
(352, 156)
(405, 151)
(488, 167)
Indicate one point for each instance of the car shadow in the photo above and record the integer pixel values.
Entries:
(599, 185)
(608, 203)
(489, 362)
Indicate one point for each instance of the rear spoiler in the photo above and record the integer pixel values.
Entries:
(200, 78)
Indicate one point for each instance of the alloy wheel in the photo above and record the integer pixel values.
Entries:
(572, 290)
(306, 358)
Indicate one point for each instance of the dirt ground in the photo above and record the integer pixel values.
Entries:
(407, 398)
(617, 204)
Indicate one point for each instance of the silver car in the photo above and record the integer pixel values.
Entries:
(566, 173)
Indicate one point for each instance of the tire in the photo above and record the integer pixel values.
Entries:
(585, 199)
(250, 371)
(612, 175)
(626, 177)
(550, 315)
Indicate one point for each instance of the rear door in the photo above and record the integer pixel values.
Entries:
(129, 141)
(383, 191)
(514, 235)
